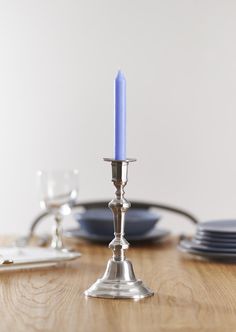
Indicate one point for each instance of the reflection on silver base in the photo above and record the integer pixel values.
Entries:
(119, 282)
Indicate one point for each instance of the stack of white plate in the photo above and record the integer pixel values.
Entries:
(213, 240)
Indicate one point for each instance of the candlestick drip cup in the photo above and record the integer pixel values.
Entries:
(119, 280)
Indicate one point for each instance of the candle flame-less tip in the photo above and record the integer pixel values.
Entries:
(120, 75)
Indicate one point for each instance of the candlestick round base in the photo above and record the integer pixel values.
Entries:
(119, 282)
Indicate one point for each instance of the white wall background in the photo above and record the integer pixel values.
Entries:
(58, 59)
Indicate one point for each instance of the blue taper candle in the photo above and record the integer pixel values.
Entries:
(120, 117)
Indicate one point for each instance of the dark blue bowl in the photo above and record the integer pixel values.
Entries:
(100, 221)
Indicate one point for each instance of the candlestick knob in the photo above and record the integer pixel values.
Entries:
(119, 280)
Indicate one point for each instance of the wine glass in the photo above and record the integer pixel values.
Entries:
(58, 190)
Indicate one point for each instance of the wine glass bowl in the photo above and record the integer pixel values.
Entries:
(59, 204)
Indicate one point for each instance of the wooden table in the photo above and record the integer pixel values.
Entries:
(190, 295)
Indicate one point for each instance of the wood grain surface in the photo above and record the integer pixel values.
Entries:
(190, 295)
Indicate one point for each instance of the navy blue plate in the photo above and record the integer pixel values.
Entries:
(218, 236)
(100, 221)
(215, 244)
(192, 245)
(186, 247)
(217, 239)
(224, 227)
(156, 234)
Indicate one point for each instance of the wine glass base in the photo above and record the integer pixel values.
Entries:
(119, 282)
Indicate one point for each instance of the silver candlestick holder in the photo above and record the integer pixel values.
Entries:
(119, 280)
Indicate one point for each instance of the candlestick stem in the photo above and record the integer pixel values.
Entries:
(119, 206)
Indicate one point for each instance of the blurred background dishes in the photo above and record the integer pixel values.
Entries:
(220, 227)
(100, 221)
(156, 234)
(213, 240)
(96, 224)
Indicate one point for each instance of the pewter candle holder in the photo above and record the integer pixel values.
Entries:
(119, 280)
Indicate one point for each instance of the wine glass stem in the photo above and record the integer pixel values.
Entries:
(57, 242)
